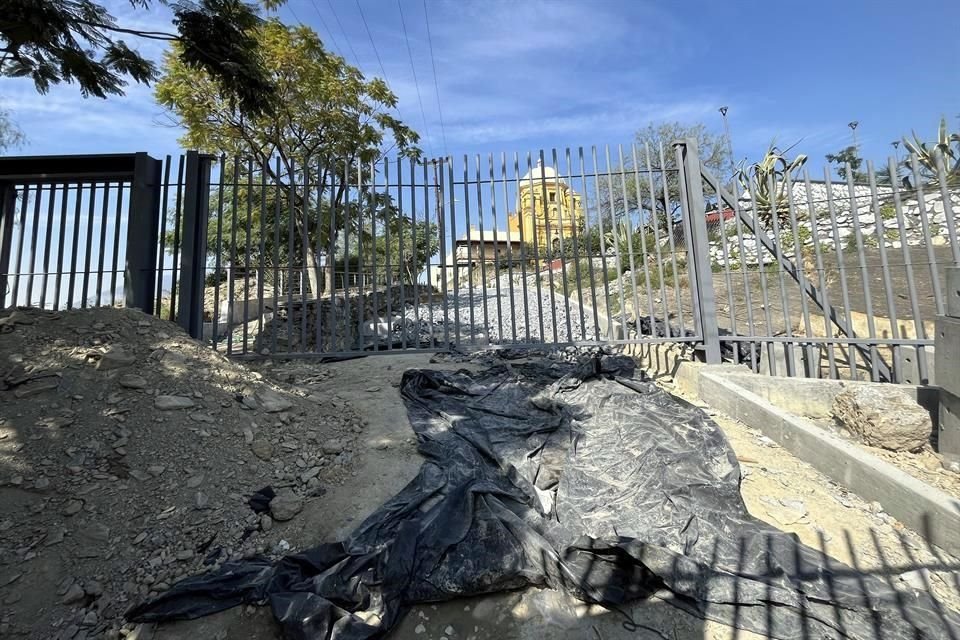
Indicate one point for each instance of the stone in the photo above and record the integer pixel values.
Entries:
(139, 475)
(132, 381)
(90, 619)
(93, 588)
(332, 447)
(883, 416)
(266, 522)
(309, 474)
(96, 532)
(115, 358)
(271, 401)
(200, 500)
(285, 505)
(156, 470)
(419, 629)
(939, 241)
(41, 484)
(74, 594)
(195, 481)
(73, 507)
(262, 449)
(169, 403)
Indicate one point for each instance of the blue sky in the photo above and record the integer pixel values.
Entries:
(520, 76)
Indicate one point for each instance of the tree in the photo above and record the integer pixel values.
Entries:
(654, 151)
(10, 135)
(847, 157)
(54, 41)
(326, 117)
(408, 251)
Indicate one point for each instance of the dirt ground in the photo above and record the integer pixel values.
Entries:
(777, 488)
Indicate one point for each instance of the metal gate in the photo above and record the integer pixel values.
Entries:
(558, 248)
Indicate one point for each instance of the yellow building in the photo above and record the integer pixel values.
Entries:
(548, 212)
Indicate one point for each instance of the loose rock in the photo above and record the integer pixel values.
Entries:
(169, 403)
(285, 505)
(883, 416)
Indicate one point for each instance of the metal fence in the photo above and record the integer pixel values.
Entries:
(578, 246)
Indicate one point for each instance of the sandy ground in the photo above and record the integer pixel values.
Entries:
(851, 530)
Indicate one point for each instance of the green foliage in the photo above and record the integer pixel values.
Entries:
(10, 135)
(848, 161)
(79, 41)
(888, 212)
(409, 248)
(927, 153)
(642, 207)
(766, 182)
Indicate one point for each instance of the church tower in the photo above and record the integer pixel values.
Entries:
(549, 211)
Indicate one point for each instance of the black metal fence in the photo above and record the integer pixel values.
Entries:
(576, 246)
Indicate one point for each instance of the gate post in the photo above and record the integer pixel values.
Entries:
(140, 270)
(8, 204)
(193, 251)
(698, 248)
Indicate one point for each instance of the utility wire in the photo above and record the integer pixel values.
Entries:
(413, 69)
(373, 44)
(436, 84)
(329, 31)
(343, 31)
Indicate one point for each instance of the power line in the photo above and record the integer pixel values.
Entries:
(373, 44)
(413, 69)
(343, 31)
(329, 31)
(436, 83)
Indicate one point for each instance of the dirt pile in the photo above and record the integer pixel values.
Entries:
(128, 457)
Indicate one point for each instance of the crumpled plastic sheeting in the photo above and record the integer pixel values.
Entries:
(578, 477)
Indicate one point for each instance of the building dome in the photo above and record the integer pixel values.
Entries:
(538, 173)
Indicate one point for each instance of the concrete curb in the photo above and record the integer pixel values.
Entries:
(925, 509)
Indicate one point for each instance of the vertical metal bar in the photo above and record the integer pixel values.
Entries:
(523, 251)
(261, 254)
(881, 231)
(277, 268)
(401, 265)
(690, 176)
(304, 205)
(603, 243)
(88, 247)
(231, 273)
(77, 211)
(945, 197)
(17, 269)
(453, 239)
(61, 250)
(643, 241)
(841, 266)
(911, 282)
(748, 297)
(864, 276)
(415, 252)
(925, 226)
(441, 224)
(215, 316)
(388, 267)
(291, 252)
(658, 244)
(34, 236)
(575, 221)
(548, 245)
(115, 267)
(367, 195)
(345, 208)
(731, 306)
(784, 303)
(506, 206)
(469, 234)
(8, 214)
(483, 252)
(196, 207)
(563, 254)
(815, 233)
(800, 273)
(536, 249)
(104, 212)
(671, 237)
(332, 253)
(630, 249)
(162, 251)
(248, 229)
(428, 240)
(318, 272)
(496, 243)
(589, 251)
(762, 269)
(178, 212)
(144, 214)
(46, 248)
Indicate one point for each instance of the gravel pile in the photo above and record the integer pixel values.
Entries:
(128, 455)
(488, 318)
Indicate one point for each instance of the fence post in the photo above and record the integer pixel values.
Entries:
(698, 248)
(8, 205)
(193, 252)
(140, 269)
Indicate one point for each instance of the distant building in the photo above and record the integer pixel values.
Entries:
(548, 209)
(475, 252)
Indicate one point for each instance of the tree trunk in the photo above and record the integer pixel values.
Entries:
(309, 257)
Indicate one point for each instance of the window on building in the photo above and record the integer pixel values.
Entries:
(553, 196)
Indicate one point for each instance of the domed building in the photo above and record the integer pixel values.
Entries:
(548, 211)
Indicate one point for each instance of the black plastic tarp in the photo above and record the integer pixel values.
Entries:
(576, 476)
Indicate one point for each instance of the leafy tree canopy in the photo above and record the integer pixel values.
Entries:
(10, 135)
(79, 41)
(848, 158)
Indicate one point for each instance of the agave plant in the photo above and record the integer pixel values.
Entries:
(926, 153)
(766, 183)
